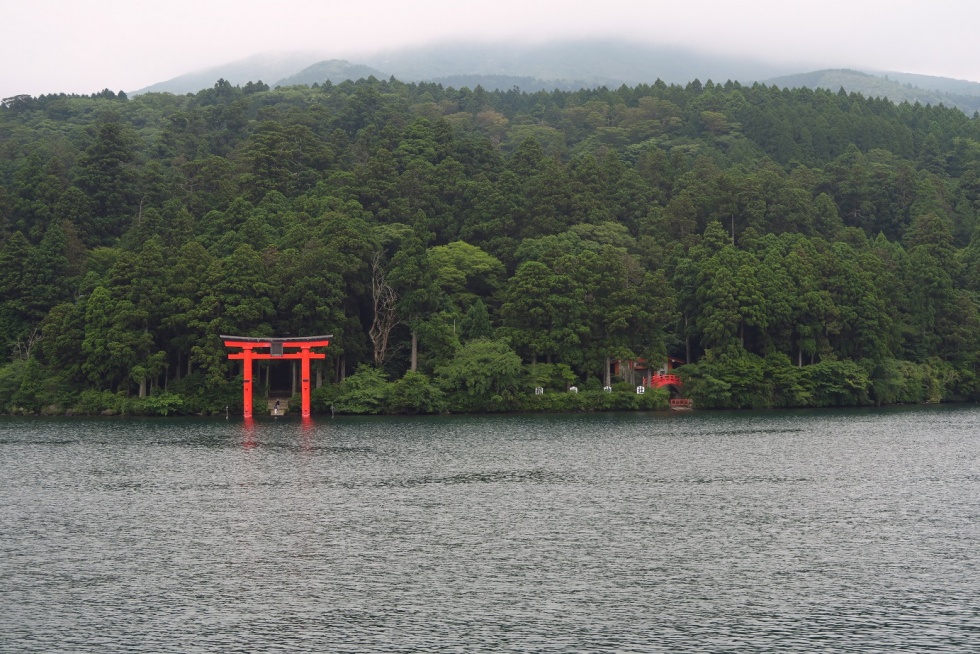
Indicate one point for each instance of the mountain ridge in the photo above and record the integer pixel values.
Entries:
(568, 65)
(335, 70)
(888, 85)
(576, 62)
(267, 67)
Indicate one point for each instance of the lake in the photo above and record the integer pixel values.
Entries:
(710, 532)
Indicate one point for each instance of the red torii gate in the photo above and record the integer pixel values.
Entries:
(278, 349)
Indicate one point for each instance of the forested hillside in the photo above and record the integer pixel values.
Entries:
(933, 90)
(797, 248)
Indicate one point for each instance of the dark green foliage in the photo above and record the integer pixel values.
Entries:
(482, 367)
(366, 391)
(105, 175)
(798, 248)
(413, 393)
(476, 322)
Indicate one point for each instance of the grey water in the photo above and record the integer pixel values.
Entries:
(701, 532)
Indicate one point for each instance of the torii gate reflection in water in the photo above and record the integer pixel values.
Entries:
(279, 348)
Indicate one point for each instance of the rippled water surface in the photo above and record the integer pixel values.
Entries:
(844, 531)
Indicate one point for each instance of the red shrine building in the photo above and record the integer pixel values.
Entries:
(652, 378)
(655, 378)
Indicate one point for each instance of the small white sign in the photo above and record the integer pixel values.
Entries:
(538, 390)
(640, 390)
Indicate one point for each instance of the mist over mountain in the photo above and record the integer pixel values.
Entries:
(585, 62)
(268, 67)
(335, 70)
(565, 65)
(944, 84)
(568, 65)
(897, 87)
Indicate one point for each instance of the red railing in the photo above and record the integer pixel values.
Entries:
(659, 381)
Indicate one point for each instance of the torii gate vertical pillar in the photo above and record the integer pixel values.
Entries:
(305, 353)
(279, 348)
(247, 381)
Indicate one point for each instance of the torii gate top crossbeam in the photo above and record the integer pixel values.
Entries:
(288, 341)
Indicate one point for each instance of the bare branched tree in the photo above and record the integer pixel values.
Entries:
(385, 318)
(22, 349)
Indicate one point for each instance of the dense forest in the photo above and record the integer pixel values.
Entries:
(795, 248)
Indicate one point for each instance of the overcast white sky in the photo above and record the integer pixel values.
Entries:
(83, 46)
